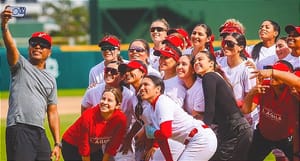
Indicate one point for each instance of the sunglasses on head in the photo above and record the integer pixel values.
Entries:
(110, 48)
(136, 49)
(228, 43)
(40, 43)
(158, 29)
(112, 71)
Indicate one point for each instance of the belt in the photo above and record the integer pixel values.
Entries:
(192, 134)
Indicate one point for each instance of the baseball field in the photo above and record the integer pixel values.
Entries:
(69, 110)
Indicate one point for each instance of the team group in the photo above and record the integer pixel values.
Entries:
(179, 100)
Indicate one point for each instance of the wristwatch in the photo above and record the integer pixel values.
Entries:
(58, 144)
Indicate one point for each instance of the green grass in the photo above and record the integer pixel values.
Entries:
(60, 92)
(65, 122)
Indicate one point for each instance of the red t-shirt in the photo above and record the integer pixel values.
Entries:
(91, 131)
(277, 118)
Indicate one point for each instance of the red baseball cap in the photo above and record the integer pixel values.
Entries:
(174, 40)
(290, 28)
(230, 27)
(110, 40)
(182, 32)
(168, 52)
(134, 64)
(297, 72)
(43, 36)
(283, 66)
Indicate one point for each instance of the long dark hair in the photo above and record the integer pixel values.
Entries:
(258, 46)
(217, 67)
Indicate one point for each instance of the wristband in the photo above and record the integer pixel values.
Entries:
(3, 29)
(150, 131)
(58, 144)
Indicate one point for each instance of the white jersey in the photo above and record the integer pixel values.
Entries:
(188, 51)
(153, 60)
(239, 77)
(194, 99)
(295, 61)
(175, 90)
(96, 74)
(152, 71)
(167, 110)
(263, 54)
(93, 95)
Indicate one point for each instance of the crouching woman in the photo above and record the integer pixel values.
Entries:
(102, 126)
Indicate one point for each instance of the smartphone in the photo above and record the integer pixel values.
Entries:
(18, 11)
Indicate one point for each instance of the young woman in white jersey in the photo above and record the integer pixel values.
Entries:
(234, 64)
(110, 49)
(201, 39)
(268, 32)
(139, 50)
(164, 120)
(194, 99)
(158, 33)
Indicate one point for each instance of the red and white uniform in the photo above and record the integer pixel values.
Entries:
(201, 146)
(153, 60)
(90, 132)
(93, 95)
(277, 114)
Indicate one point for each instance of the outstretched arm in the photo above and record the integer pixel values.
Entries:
(288, 78)
(11, 48)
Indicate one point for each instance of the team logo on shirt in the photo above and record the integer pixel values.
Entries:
(268, 113)
(100, 140)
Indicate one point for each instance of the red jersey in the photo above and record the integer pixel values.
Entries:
(277, 118)
(91, 131)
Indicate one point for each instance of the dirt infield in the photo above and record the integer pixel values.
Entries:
(66, 105)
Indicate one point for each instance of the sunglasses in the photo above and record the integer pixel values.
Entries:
(136, 49)
(228, 43)
(112, 71)
(158, 29)
(40, 43)
(110, 48)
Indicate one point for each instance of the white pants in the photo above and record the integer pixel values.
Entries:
(201, 147)
(175, 147)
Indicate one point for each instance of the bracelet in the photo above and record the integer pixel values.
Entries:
(272, 73)
(3, 29)
(58, 145)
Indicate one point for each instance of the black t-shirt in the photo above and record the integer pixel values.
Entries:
(219, 99)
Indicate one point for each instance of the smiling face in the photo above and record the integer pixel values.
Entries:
(137, 51)
(230, 46)
(112, 75)
(38, 51)
(267, 31)
(184, 68)
(199, 37)
(108, 103)
(158, 31)
(148, 90)
(203, 64)
(293, 41)
(109, 52)
(282, 50)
